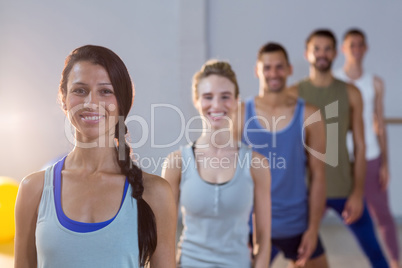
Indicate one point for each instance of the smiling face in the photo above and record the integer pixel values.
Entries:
(216, 100)
(272, 70)
(354, 47)
(91, 102)
(320, 53)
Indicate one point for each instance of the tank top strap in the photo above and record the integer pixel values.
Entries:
(245, 158)
(187, 162)
(244, 152)
(48, 182)
(249, 103)
(186, 153)
(302, 86)
(339, 84)
(46, 208)
(300, 110)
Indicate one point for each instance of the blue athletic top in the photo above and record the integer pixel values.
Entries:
(76, 226)
(114, 245)
(287, 158)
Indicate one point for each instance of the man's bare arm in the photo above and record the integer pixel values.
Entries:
(354, 205)
(381, 130)
(315, 140)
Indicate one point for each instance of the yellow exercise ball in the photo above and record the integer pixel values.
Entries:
(8, 195)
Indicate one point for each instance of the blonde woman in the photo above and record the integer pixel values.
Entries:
(217, 180)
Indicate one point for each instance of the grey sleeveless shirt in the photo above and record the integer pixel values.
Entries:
(114, 246)
(215, 216)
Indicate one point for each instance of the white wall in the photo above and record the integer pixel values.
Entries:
(36, 38)
(163, 43)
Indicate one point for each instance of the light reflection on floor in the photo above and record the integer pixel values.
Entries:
(342, 249)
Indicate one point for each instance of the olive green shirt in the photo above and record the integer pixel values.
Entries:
(333, 102)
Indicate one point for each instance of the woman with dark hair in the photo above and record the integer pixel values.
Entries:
(217, 180)
(95, 207)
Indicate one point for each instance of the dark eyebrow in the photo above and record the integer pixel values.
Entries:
(79, 83)
(84, 84)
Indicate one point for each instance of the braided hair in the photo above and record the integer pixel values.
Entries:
(120, 79)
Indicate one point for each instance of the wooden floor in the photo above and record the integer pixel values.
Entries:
(342, 250)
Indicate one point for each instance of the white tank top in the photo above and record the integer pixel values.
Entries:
(115, 245)
(366, 86)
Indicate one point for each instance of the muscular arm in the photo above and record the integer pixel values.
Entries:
(381, 130)
(26, 213)
(158, 194)
(315, 140)
(354, 205)
(262, 209)
(356, 119)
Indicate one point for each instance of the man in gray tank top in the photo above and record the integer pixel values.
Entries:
(341, 106)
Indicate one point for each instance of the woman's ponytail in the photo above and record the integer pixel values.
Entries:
(147, 237)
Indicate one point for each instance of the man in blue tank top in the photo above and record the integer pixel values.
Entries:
(274, 124)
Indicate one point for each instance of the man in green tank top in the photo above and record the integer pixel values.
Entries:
(341, 106)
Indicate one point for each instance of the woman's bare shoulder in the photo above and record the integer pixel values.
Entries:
(157, 192)
(30, 192)
(33, 183)
(155, 185)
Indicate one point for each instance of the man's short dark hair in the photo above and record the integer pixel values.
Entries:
(272, 47)
(323, 33)
(354, 31)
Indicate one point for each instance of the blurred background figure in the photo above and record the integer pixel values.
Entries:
(337, 99)
(354, 48)
(217, 180)
(274, 126)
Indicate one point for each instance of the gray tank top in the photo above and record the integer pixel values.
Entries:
(115, 245)
(215, 216)
(338, 175)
